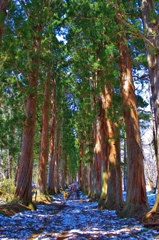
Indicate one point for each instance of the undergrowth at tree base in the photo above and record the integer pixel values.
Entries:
(11, 205)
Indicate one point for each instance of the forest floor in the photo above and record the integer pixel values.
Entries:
(75, 218)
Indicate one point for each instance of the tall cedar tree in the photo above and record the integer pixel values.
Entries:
(51, 184)
(112, 184)
(151, 27)
(93, 56)
(136, 193)
(24, 184)
(43, 160)
(56, 172)
(104, 129)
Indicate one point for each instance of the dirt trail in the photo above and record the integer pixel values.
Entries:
(72, 219)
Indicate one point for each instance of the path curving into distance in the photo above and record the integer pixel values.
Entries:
(72, 219)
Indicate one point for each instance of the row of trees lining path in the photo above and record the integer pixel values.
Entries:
(72, 66)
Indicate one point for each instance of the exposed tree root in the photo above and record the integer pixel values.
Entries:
(13, 208)
(133, 210)
(151, 220)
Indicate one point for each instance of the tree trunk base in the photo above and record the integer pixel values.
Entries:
(51, 191)
(103, 204)
(133, 210)
(151, 219)
(42, 197)
(29, 204)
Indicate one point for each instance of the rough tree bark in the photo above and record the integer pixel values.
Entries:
(96, 178)
(94, 168)
(119, 195)
(151, 27)
(43, 159)
(57, 161)
(136, 194)
(112, 180)
(80, 165)
(84, 186)
(24, 185)
(52, 141)
(110, 201)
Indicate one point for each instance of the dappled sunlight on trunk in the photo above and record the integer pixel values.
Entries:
(136, 196)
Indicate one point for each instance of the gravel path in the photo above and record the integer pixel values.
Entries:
(72, 219)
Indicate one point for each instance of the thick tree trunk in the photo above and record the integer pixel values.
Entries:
(90, 179)
(80, 165)
(104, 150)
(62, 181)
(125, 166)
(119, 195)
(51, 182)
(94, 178)
(56, 163)
(62, 177)
(52, 141)
(151, 27)
(84, 179)
(17, 171)
(24, 186)
(97, 160)
(80, 173)
(112, 156)
(136, 194)
(43, 160)
(83, 172)
(112, 196)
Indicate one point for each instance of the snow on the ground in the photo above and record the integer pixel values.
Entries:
(76, 219)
